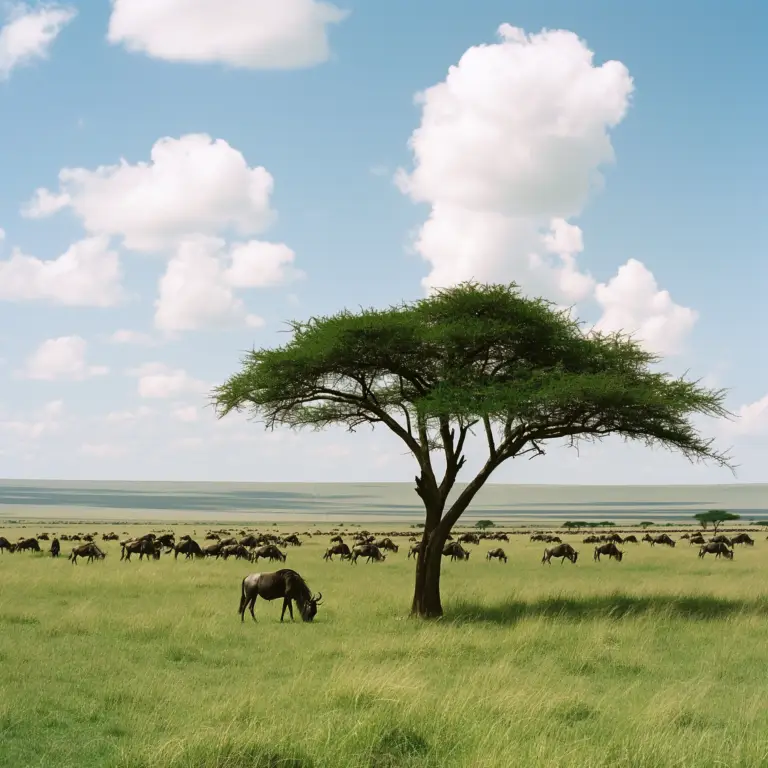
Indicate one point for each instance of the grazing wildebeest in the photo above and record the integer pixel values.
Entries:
(721, 538)
(609, 549)
(250, 541)
(662, 538)
(211, 535)
(337, 539)
(563, 551)
(110, 537)
(237, 550)
(469, 538)
(369, 551)
(293, 540)
(697, 538)
(55, 548)
(189, 547)
(631, 539)
(456, 551)
(592, 539)
(743, 538)
(387, 543)
(338, 549)
(167, 540)
(415, 550)
(716, 548)
(30, 544)
(89, 550)
(5, 544)
(283, 583)
(499, 553)
(43, 537)
(271, 552)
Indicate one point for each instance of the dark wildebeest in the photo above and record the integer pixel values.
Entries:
(89, 550)
(189, 547)
(469, 538)
(42, 537)
(697, 538)
(55, 548)
(716, 548)
(293, 540)
(212, 550)
(140, 547)
(167, 540)
(271, 552)
(110, 537)
(250, 541)
(5, 544)
(338, 549)
(456, 551)
(337, 539)
(415, 550)
(591, 539)
(631, 539)
(30, 544)
(563, 551)
(721, 538)
(283, 583)
(662, 538)
(369, 551)
(743, 538)
(237, 550)
(387, 543)
(609, 549)
(499, 553)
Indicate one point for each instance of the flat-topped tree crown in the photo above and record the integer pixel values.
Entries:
(474, 355)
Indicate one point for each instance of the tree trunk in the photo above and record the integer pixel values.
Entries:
(426, 595)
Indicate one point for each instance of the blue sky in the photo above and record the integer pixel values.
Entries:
(125, 293)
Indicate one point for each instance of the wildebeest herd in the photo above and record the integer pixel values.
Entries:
(291, 587)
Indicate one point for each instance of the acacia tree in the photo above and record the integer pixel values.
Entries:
(470, 362)
(716, 517)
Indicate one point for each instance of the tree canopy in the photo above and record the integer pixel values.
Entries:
(715, 517)
(483, 524)
(472, 360)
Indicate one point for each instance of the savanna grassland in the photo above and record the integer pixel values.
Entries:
(657, 661)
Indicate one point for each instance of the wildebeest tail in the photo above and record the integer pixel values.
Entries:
(243, 599)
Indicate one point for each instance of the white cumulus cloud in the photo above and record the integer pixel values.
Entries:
(193, 184)
(255, 34)
(632, 302)
(46, 420)
(62, 358)
(88, 273)
(29, 34)
(185, 413)
(197, 289)
(127, 336)
(509, 148)
(159, 381)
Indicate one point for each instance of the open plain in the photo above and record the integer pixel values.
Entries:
(655, 661)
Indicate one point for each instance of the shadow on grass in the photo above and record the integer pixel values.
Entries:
(615, 606)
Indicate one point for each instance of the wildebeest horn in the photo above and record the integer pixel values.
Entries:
(318, 598)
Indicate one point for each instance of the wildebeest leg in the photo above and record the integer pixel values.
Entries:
(253, 603)
(286, 604)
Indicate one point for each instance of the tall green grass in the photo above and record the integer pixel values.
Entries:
(657, 661)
